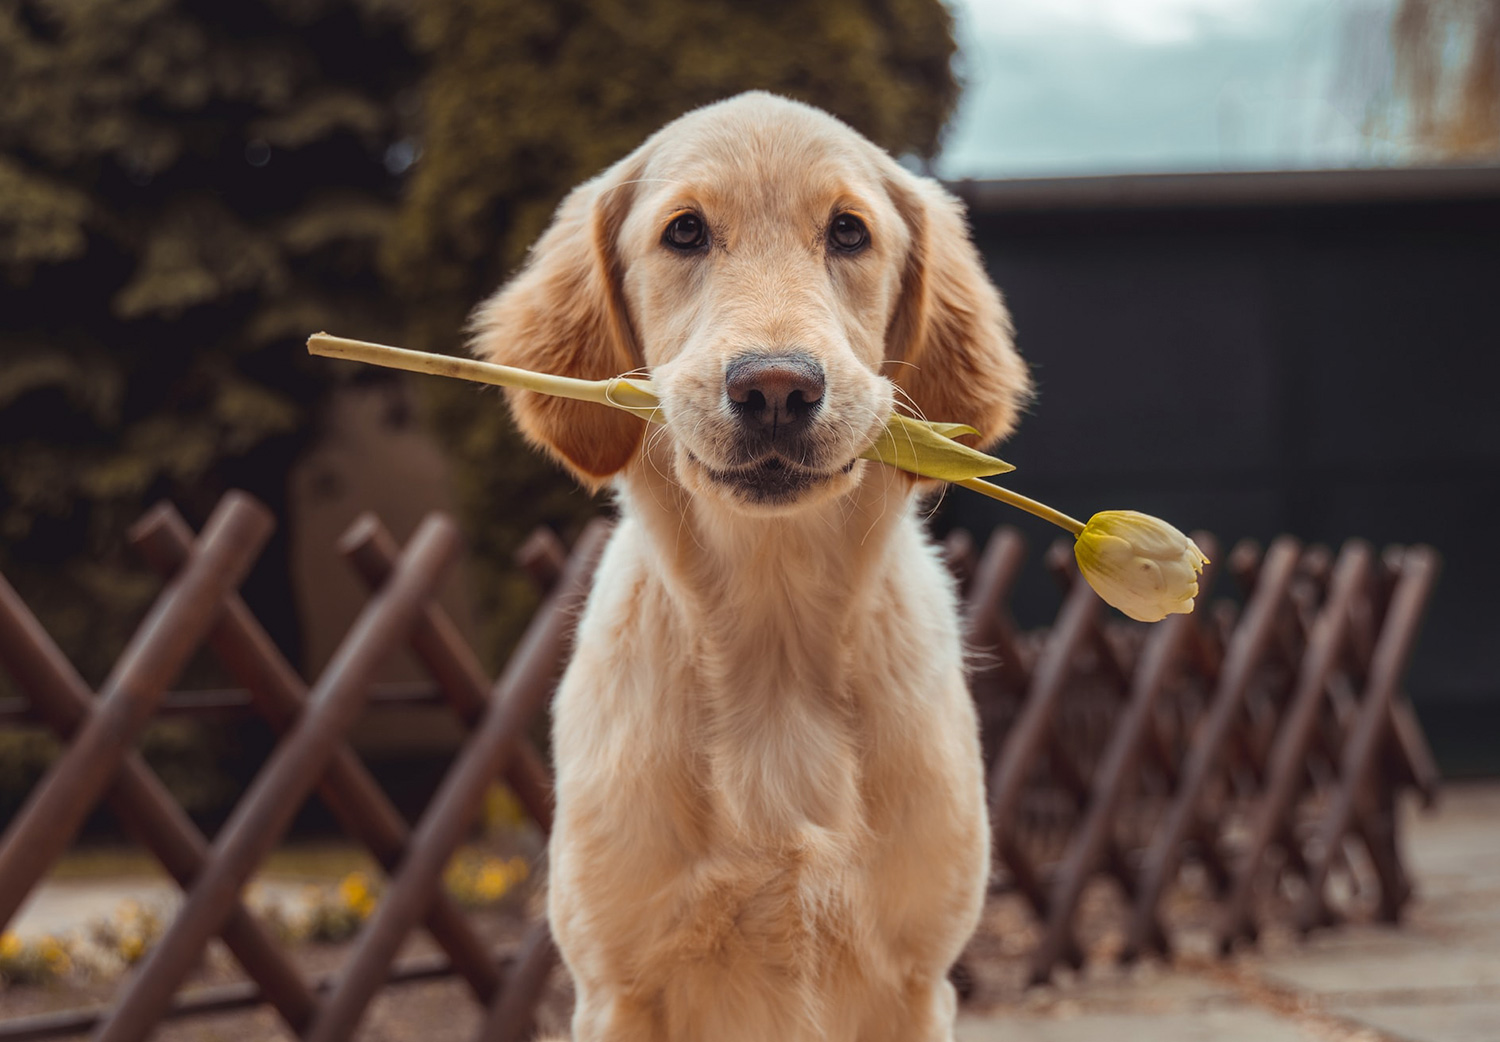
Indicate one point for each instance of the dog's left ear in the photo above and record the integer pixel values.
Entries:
(564, 313)
(949, 345)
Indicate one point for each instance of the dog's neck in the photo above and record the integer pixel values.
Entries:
(774, 602)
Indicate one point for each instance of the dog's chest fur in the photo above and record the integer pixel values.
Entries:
(759, 796)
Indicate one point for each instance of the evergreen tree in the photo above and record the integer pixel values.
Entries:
(187, 189)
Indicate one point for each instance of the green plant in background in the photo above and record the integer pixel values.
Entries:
(33, 961)
(336, 913)
(523, 100)
(184, 189)
(477, 879)
(188, 189)
(130, 933)
(502, 811)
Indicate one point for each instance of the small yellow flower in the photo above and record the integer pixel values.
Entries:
(493, 881)
(11, 947)
(354, 889)
(1140, 564)
(54, 955)
(502, 810)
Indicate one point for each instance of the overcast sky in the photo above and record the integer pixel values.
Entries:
(1100, 86)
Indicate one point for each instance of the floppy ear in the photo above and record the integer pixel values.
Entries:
(950, 327)
(564, 314)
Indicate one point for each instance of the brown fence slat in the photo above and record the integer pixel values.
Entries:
(266, 810)
(1288, 764)
(511, 1017)
(1398, 636)
(141, 801)
(160, 648)
(1167, 641)
(519, 694)
(1115, 750)
(355, 798)
(984, 623)
(435, 639)
(1251, 638)
(1031, 735)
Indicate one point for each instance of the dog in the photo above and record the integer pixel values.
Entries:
(771, 815)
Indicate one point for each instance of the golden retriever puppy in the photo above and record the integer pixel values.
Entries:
(771, 810)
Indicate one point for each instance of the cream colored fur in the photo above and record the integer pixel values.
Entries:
(771, 816)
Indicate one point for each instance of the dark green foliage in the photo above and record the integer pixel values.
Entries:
(523, 100)
(187, 189)
(190, 187)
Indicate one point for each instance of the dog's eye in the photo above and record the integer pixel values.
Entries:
(686, 232)
(848, 233)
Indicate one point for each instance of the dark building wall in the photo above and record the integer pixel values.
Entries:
(1256, 354)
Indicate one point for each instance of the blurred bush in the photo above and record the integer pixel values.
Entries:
(188, 188)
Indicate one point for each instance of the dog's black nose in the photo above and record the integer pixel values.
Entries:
(774, 393)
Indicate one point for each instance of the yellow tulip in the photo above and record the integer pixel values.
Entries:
(1140, 564)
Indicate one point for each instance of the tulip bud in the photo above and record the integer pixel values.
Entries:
(1140, 564)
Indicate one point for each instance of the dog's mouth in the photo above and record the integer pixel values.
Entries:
(772, 479)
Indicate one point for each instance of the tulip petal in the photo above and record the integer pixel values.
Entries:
(1139, 564)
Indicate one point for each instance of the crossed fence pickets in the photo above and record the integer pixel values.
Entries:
(1266, 743)
(199, 605)
(1260, 744)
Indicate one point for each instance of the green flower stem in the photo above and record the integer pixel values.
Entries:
(447, 365)
(1031, 506)
(619, 392)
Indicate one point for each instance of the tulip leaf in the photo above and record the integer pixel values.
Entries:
(951, 430)
(928, 449)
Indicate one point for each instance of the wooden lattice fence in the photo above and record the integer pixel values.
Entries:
(1266, 744)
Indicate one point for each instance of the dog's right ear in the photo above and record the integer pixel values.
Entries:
(564, 313)
(951, 328)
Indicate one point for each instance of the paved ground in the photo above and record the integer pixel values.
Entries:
(1435, 979)
(68, 907)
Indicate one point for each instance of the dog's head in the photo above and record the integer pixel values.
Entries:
(785, 282)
